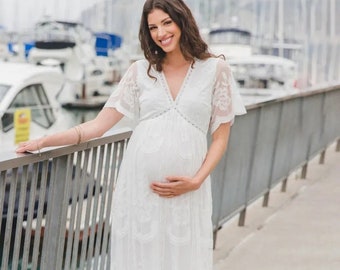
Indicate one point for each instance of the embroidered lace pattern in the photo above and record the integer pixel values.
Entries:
(150, 232)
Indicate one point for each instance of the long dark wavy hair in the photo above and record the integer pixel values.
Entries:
(191, 43)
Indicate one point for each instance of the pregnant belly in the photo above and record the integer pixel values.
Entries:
(160, 156)
(167, 145)
(168, 159)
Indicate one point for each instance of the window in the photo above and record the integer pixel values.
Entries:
(3, 90)
(33, 97)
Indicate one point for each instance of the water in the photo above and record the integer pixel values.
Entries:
(75, 117)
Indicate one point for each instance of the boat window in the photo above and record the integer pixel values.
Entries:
(33, 97)
(3, 90)
(230, 37)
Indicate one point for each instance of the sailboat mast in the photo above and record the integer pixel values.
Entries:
(281, 27)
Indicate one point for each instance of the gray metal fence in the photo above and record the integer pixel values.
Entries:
(270, 142)
(55, 206)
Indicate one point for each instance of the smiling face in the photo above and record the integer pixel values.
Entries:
(164, 31)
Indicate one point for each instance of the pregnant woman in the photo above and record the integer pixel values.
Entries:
(161, 217)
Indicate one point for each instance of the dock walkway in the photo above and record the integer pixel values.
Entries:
(299, 230)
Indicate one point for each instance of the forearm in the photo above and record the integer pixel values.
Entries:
(107, 118)
(215, 153)
(213, 157)
(66, 137)
(75, 135)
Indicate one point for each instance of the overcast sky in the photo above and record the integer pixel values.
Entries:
(18, 15)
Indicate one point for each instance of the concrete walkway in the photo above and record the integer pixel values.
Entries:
(300, 230)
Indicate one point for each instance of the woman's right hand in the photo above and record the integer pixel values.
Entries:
(28, 146)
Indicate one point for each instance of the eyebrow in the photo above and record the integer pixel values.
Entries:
(161, 20)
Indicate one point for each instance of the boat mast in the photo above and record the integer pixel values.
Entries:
(332, 34)
(272, 24)
(281, 27)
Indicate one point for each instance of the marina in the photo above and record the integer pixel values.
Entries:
(42, 91)
(61, 65)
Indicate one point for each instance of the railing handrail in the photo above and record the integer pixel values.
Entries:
(10, 159)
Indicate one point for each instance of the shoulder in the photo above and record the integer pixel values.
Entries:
(141, 66)
(222, 63)
(222, 67)
(214, 62)
(136, 67)
(141, 63)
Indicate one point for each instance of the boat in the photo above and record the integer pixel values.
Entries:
(43, 90)
(259, 77)
(264, 71)
(231, 42)
(71, 46)
(264, 77)
(36, 88)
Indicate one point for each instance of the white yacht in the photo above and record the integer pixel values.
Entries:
(24, 85)
(259, 76)
(42, 90)
(264, 71)
(231, 42)
(72, 46)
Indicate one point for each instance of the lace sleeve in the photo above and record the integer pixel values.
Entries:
(226, 100)
(125, 97)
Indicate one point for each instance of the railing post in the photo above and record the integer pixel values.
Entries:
(304, 171)
(284, 185)
(265, 201)
(322, 157)
(338, 146)
(214, 238)
(54, 236)
(242, 217)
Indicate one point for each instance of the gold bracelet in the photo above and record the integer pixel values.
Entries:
(38, 148)
(78, 133)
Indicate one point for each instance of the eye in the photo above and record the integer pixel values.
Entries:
(151, 28)
(167, 22)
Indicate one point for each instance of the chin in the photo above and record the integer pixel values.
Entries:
(168, 49)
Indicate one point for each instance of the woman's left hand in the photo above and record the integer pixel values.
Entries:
(175, 186)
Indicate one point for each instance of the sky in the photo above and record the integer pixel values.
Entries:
(19, 15)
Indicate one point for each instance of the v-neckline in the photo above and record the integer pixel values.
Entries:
(181, 88)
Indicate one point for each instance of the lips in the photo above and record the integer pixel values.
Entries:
(166, 42)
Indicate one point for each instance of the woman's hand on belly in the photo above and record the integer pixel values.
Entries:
(175, 186)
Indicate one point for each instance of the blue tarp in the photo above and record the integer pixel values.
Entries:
(105, 42)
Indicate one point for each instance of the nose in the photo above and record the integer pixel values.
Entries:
(160, 31)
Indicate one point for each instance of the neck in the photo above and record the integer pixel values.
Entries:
(175, 59)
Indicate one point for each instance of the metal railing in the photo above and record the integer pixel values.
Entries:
(269, 143)
(55, 206)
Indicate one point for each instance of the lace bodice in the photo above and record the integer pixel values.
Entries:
(207, 97)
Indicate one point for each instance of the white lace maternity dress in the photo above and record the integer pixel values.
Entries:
(150, 232)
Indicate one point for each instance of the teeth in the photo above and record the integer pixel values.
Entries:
(166, 41)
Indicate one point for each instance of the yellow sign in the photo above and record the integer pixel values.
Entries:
(22, 124)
